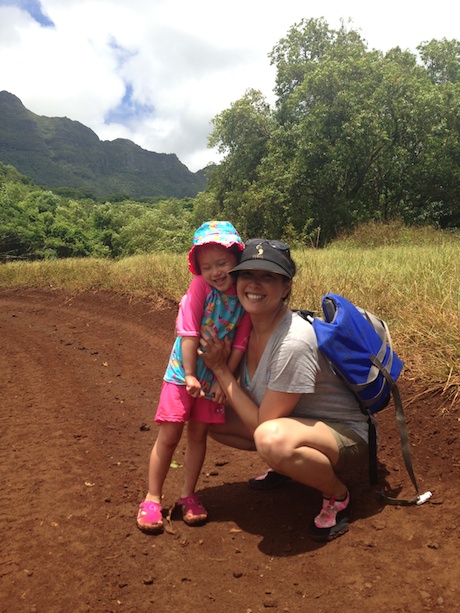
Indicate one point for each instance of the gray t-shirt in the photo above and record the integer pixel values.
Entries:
(292, 363)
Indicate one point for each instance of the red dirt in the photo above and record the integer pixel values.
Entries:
(80, 381)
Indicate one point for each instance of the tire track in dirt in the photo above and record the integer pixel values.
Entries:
(79, 380)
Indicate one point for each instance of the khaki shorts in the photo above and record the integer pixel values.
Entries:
(353, 450)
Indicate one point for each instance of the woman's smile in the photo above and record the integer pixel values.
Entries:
(254, 297)
(258, 286)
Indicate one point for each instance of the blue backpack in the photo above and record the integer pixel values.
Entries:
(359, 348)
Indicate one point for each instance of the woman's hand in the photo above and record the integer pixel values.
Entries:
(214, 351)
(218, 394)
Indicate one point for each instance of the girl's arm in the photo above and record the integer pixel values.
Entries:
(242, 333)
(188, 328)
(189, 355)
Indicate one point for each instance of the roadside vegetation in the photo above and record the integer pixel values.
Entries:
(410, 277)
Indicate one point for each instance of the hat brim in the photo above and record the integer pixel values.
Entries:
(256, 264)
(192, 264)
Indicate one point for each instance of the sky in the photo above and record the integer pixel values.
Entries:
(158, 71)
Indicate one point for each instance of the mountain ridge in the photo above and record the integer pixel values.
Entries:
(60, 152)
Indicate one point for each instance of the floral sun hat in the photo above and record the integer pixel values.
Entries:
(213, 232)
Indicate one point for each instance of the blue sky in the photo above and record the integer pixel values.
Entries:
(33, 8)
(158, 71)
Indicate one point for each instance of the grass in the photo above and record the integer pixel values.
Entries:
(410, 280)
(416, 289)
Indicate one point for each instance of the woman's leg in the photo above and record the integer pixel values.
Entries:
(194, 455)
(233, 433)
(305, 450)
(169, 434)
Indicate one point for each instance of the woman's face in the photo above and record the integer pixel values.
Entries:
(260, 291)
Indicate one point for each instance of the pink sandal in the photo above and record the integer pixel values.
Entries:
(333, 519)
(150, 517)
(193, 511)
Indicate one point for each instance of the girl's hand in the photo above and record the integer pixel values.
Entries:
(214, 351)
(217, 394)
(193, 386)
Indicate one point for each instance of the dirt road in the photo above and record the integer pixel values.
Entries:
(80, 377)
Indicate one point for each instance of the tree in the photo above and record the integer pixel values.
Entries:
(356, 135)
(441, 59)
(22, 229)
(241, 133)
(165, 228)
(295, 55)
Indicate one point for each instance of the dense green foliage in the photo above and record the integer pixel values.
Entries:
(356, 135)
(37, 223)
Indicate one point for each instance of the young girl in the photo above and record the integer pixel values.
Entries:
(190, 392)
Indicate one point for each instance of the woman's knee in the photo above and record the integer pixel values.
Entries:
(270, 442)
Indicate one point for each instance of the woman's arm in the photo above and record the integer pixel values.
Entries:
(277, 404)
(215, 354)
(234, 359)
(274, 404)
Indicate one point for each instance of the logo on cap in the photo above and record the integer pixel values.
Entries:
(260, 253)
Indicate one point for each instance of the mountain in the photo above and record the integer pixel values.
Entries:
(58, 152)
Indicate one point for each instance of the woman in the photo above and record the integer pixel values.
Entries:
(288, 403)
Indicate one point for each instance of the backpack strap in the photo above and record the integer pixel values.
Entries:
(372, 442)
(405, 445)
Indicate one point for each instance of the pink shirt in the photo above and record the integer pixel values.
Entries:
(202, 306)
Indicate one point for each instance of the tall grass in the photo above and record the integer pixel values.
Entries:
(413, 284)
(416, 289)
(162, 274)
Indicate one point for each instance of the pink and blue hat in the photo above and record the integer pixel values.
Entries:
(213, 232)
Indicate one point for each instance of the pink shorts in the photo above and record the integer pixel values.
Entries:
(176, 405)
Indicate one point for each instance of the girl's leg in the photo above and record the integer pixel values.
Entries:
(305, 450)
(169, 434)
(194, 455)
(193, 511)
(233, 432)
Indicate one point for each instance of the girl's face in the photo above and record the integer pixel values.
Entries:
(260, 291)
(214, 262)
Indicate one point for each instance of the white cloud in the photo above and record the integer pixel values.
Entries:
(183, 61)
